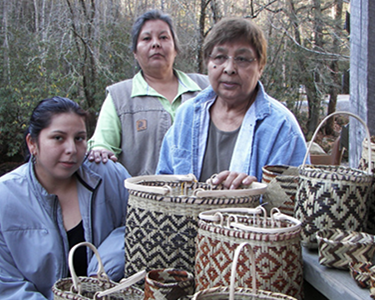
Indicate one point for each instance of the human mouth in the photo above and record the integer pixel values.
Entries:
(229, 84)
(68, 164)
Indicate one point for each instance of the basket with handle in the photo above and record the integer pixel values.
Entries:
(364, 165)
(162, 218)
(331, 196)
(282, 186)
(240, 293)
(100, 287)
(275, 241)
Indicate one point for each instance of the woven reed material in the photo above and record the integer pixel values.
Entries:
(282, 187)
(278, 258)
(222, 293)
(337, 248)
(62, 290)
(169, 284)
(363, 165)
(161, 230)
(331, 197)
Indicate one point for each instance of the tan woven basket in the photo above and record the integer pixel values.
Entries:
(162, 218)
(331, 196)
(364, 165)
(87, 288)
(337, 248)
(282, 187)
(275, 241)
(240, 293)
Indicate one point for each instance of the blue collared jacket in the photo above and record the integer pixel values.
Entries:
(33, 242)
(269, 135)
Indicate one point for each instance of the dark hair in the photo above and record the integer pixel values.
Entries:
(232, 29)
(41, 117)
(150, 15)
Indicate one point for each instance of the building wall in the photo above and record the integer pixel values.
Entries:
(362, 74)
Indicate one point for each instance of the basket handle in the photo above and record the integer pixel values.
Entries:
(124, 283)
(100, 273)
(133, 183)
(234, 269)
(341, 113)
(213, 215)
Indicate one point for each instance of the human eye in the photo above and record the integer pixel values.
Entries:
(220, 58)
(57, 138)
(81, 138)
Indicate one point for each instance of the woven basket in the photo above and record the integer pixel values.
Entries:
(162, 218)
(331, 197)
(282, 186)
(364, 165)
(361, 272)
(337, 248)
(87, 288)
(240, 293)
(275, 241)
(169, 284)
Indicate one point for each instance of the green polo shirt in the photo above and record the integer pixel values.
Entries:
(108, 115)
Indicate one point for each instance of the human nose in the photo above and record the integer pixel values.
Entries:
(230, 65)
(155, 43)
(70, 146)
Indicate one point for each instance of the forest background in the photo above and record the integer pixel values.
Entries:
(75, 48)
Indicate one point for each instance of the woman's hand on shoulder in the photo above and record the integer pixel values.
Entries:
(101, 155)
(233, 180)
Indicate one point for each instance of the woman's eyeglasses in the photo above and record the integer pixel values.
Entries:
(240, 61)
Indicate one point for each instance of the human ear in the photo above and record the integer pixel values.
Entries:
(31, 144)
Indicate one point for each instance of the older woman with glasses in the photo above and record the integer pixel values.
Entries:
(233, 128)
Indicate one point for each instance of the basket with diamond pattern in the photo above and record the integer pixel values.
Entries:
(162, 218)
(331, 196)
(275, 241)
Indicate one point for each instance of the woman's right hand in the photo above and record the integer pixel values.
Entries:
(101, 155)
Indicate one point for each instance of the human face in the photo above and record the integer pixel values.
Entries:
(234, 82)
(155, 46)
(60, 148)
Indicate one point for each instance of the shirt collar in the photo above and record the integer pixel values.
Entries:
(141, 88)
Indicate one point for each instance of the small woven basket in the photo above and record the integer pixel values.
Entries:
(337, 248)
(168, 284)
(162, 219)
(282, 186)
(275, 241)
(331, 196)
(361, 272)
(88, 288)
(239, 293)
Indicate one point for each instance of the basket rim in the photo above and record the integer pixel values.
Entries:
(370, 239)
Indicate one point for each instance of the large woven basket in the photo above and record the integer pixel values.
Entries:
(239, 293)
(162, 218)
(364, 165)
(331, 196)
(282, 187)
(100, 287)
(275, 241)
(338, 248)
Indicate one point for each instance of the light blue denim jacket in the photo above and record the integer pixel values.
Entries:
(269, 135)
(33, 242)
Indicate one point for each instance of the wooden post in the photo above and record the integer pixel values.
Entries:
(362, 74)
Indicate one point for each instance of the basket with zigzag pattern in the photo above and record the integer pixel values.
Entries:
(275, 241)
(162, 218)
(338, 248)
(331, 196)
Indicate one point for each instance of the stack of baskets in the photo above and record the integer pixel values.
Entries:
(162, 220)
